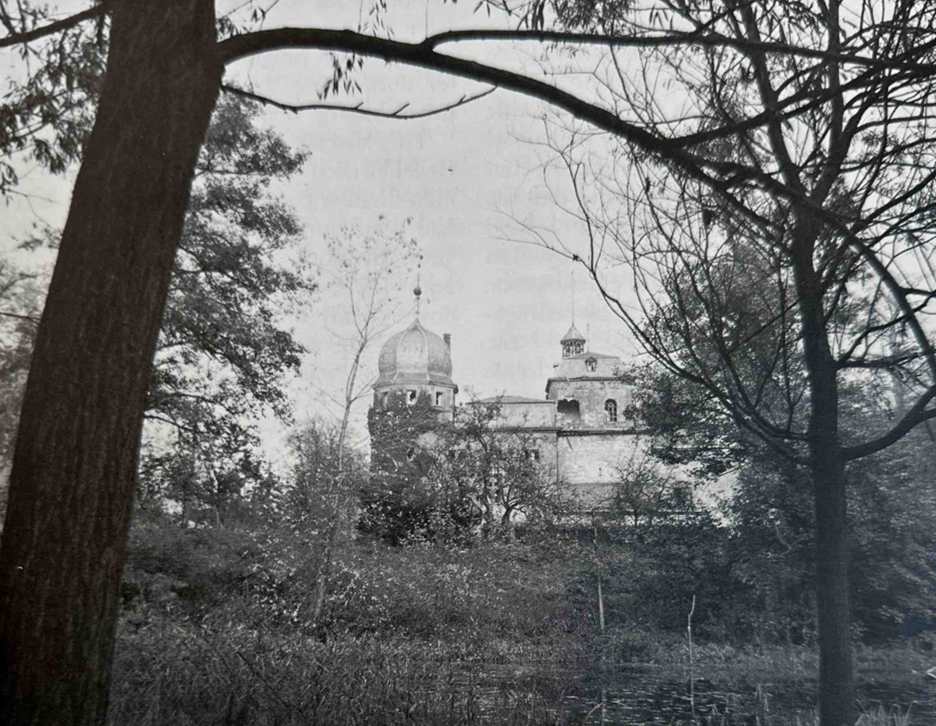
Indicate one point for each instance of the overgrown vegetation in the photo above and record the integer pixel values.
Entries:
(216, 628)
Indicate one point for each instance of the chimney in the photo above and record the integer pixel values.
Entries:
(447, 337)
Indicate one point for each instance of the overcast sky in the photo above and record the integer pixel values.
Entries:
(461, 176)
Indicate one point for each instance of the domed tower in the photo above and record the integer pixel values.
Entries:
(416, 361)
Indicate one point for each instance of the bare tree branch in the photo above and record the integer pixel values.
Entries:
(52, 28)
(358, 108)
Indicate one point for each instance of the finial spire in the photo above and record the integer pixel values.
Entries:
(417, 291)
(572, 293)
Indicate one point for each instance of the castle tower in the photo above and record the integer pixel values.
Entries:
(587, 387)
(416, 361)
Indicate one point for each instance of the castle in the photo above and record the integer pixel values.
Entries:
(579, 432)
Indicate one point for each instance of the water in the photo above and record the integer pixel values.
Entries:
(634, 695)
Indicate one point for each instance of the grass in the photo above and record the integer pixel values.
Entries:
(172, 674)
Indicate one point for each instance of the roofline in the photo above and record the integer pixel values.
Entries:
(528, 402)
(568, 433)
(564, 379)
(526, 429)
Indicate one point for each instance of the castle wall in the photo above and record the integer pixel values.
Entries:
(527, 414)
(589, 463)
(591, 395)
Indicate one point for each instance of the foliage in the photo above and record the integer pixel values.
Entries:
(47, 114)
(304, 500)
(20, 306)
(689, 427)
(396, 503)
(262, 578)
(450, 481)
(644, 491)
(215, 623)
(487, 466)
(223, 355)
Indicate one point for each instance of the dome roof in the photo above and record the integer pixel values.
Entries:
(415, 355)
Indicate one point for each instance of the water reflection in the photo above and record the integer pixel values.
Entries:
(633, 696)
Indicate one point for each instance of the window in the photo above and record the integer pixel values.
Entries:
(611, 411)
(591, 365)
(569, 408)
(411, 397)
(386, 398)
(438, 398)
(533, 454)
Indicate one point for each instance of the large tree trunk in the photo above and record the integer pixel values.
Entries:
(72, 482)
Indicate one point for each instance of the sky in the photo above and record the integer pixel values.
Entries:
(463, 177)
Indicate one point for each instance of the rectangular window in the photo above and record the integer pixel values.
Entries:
(411, 397)
(438, 398)
(533, 454)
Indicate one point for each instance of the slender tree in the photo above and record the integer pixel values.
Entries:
(367, 271)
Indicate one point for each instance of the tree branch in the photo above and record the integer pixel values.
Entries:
(674, 39)
(52, 28)
(915, 416)
(397, 114)
(30, 318)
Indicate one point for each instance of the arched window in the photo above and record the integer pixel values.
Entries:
(591, 365)
(611, 411)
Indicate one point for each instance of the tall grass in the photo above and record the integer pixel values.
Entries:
(177, 674)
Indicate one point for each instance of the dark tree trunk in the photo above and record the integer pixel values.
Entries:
(836, 680)
(72, 482)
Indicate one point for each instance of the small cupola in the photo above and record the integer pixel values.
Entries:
(573, 343)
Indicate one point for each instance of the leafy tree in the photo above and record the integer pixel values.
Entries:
(72, 477)
(453, 480)
(494, 468)
(223, 355)
(304, 501)
(644, 491)
(771, 520)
